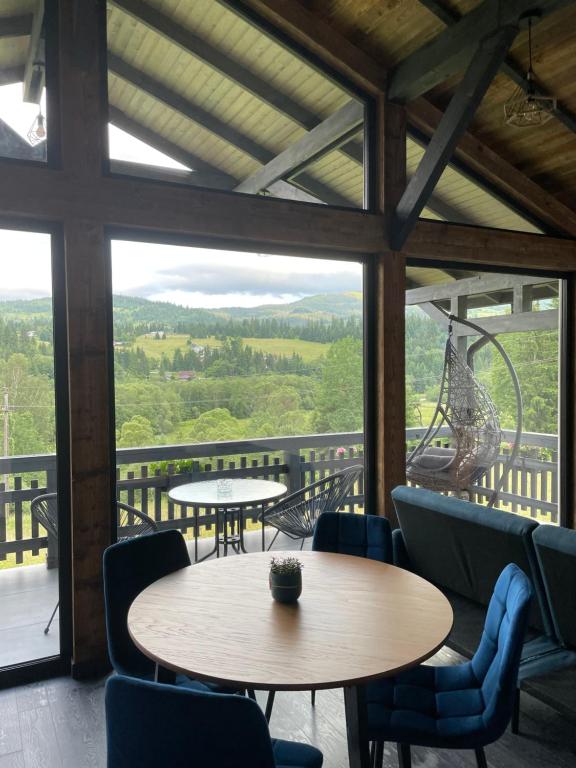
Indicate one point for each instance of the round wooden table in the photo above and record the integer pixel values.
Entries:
(357, 620)
(240, 493)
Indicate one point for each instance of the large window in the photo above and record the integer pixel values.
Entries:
(228, 106)
(30, 533)
(233, 365)
(483, 391)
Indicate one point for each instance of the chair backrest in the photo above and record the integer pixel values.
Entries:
(464, 547)
(151, 725)
(132, 522)
(348, 534)
(556, 552)
(44, 509)
(129, 567)
(297, 513)
(495, 663)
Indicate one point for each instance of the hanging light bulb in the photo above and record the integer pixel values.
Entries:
(37, 132)
(526, 107)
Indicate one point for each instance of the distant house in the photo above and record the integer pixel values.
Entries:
(31, 334)
(155, 335)
(197, 348)
(185, 375)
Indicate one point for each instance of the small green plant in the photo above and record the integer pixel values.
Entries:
(285, 565)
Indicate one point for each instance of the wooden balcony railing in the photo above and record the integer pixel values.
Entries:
(144, 476)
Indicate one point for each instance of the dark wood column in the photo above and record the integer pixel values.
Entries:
(387, 291)
(83, 153)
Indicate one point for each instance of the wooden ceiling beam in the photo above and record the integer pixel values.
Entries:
(509, 67)
(35, 67)
(213, 124)
(483, 284)
(233, 221)
(453, 124)
(440, 241)
(498, 172)
(452, 50)
(16, 26)
(329, 135)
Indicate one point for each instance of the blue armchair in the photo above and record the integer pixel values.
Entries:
(461, 707)
(129, 567)
(150, 725)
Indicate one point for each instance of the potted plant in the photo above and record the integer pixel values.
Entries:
(286, 579)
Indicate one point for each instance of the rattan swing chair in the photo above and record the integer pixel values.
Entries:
(462, 443)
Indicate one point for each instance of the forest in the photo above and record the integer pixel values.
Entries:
(186, 375)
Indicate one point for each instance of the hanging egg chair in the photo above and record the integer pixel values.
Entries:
(466, 424)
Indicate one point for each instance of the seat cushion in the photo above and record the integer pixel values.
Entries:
(428, 706)
(292, 753)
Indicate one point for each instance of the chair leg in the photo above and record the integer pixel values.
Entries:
(481, 758)
(251, 694)
(302, 544)
(515, 722)
(273, 540)
(313, 697)
(47, 628)
(379, 754)
(404, 756)
(269, 705)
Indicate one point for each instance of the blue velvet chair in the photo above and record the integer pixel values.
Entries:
(458, 707)
(151, 725)
(360, 535)
(129, 567)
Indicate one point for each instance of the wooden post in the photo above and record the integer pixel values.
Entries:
(386, 292)
(83, 152)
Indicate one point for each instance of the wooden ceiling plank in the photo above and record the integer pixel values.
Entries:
(317, 142)
(35, 67)
(451, 51)
(509, 67)
(216, 126)
(16, 26)
(454, 122)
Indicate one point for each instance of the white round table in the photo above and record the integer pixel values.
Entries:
(229, 505)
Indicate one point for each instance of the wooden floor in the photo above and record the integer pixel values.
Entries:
(60, 724)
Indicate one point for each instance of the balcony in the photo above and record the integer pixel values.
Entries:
(145, 475)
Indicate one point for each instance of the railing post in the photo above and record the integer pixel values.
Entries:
(292, 460)
(52, 551)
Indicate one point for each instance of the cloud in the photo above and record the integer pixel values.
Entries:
(224, 279)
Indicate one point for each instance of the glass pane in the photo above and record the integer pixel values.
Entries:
(233, 366)
(197, 89)
(23, 122)
(28, 502)
(482, 416)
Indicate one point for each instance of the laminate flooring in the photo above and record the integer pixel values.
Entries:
(60, 724)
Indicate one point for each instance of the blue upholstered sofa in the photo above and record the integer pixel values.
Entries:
(462, 548)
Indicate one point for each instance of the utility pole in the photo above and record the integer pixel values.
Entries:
(6, 409)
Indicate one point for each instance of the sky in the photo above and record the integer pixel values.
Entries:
(194, 277)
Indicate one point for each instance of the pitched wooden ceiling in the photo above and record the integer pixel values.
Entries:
(390, 30)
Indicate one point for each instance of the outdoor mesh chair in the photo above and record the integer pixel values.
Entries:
(131, 522)
(296, 515)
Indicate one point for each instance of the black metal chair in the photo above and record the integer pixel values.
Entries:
(296, 515)
(131, 521)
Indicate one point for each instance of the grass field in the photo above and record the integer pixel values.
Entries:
(308, 350)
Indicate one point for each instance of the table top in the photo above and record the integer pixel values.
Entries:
(356, 620)
(243, 492)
